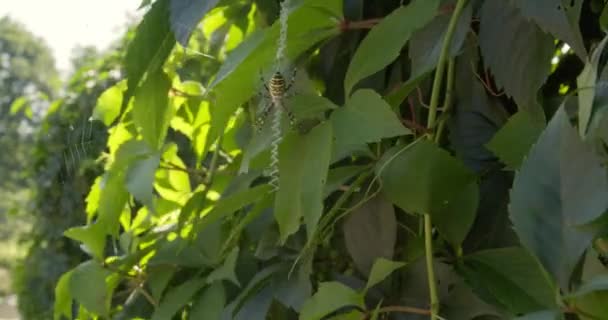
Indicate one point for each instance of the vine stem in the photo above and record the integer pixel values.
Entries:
(428, 248)
(449, 95)
(437, 82)
(443, 57)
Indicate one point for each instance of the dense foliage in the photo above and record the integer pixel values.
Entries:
(433, 159)
(63, 168)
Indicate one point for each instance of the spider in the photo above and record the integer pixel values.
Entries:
(276, 90)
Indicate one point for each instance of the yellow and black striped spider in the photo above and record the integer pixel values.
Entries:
(276, 91)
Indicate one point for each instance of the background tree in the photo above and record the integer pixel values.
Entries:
(65, 147)
(28, 78)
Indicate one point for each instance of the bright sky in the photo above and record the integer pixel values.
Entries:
(67, 23)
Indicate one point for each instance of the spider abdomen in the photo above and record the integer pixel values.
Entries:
(277, 86)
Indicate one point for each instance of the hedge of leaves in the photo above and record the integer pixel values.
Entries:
(435, 170)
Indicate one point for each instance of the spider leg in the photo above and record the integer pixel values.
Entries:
(264, 94)
(290, 115)
(292, 79)
(264, 83)
(261, 119)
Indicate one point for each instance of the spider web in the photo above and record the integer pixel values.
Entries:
(79, 146)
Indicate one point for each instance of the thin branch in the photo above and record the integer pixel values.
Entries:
(486, 83)
(414, 126)
(412, 109)
(420, 98)
(361, 24)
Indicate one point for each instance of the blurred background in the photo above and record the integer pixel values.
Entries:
(55, 59)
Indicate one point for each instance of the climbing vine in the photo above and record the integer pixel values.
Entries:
(441, 165)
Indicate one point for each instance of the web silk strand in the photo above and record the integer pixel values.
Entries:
(278, 103)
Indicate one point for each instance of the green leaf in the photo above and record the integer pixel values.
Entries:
(180, 252)
(317, 147)
(370, 232)
(92, 199)
(260, 281)
(462, 207)
(260, 142)
(558, 17)
(140, 179)
(513, 141)
(426, 43)
(88, 286)
(177, 298)
(186, 15)
(114, 196)
(422, 178)
(108, 104)
(173, 185)
(517, 52)
(112, 200)
(510, 277)
(93, 238)
(238, 78)
(560, 185)
(305, 106)
(210, 304)
(158, 279)
(330, 297)
(592, 295)
(152, 44)
(293, 291)
(151, 109)
(586, 81)
(303, 166)
(593, 304)
(17, 105)
(391, 34)
(257, 306)
(381, 270)
(63, 297)
(119, 134)
(462, 303)
(226, 270)
(370, 115)
(232, 203)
